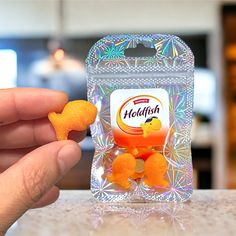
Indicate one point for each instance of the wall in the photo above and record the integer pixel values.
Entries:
(27, 17)
(89, 17)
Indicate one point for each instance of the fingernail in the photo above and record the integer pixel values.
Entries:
(68, 157)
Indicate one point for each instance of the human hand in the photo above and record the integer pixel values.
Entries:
(31, 160)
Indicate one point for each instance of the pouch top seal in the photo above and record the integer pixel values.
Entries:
(108, 55)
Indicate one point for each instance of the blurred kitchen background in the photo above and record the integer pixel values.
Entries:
(44, 43)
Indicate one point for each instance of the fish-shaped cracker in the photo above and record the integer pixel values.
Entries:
(76, 115)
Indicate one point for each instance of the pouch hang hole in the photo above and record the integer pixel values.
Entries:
(140, 51)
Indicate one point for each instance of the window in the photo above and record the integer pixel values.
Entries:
(8, 68)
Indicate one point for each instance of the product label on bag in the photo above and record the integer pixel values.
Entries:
(139, 117)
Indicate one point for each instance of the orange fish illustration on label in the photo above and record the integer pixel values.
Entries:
(152, 124)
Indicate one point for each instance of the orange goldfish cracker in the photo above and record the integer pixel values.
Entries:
(133, 150)
(137, 176)
(123, 167)
(145, 152)
(155, 168)
(76, 115)
(141, 152)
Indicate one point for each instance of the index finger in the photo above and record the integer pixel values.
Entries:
(29, 103)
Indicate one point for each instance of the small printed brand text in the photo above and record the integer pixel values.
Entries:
(146, 111)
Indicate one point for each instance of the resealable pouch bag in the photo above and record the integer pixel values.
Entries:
(142, 130)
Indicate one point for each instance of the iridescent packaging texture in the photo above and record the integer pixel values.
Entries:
(142, 130)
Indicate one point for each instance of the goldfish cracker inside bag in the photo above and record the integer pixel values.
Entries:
(142, 131)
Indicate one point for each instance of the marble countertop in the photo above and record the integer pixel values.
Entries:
(209, 212)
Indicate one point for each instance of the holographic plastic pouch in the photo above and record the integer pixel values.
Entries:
(142, 131)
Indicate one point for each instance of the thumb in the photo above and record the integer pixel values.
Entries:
(24, 183)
